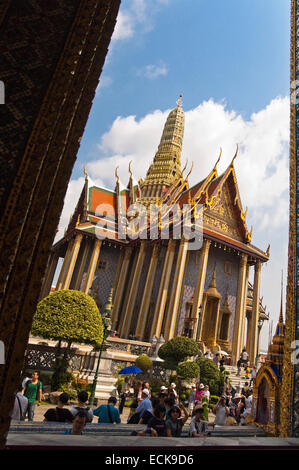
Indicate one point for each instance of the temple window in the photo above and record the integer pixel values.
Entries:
(228, 267)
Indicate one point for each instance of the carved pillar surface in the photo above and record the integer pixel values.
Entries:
(120, 286)
(39, 151)
(163, 290)
(255, 311)
(92, 265)
(146, 298)
(240, 309)
(173, 307)
(133, 289)
(199, 289)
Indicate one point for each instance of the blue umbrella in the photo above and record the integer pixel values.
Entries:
(130, 370)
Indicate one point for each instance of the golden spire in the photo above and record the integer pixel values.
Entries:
(166, 166)
(85, 172)
(130, 171)
(215, 166)
(116, 175)
(235, 156)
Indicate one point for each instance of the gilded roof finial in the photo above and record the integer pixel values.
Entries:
(236, 153)
(180, 101)
(85, 172)
(116, 176)
(185, 166)
(190, 171)
(78, 221)
(218, 159)
(130, 171)
(268, 250)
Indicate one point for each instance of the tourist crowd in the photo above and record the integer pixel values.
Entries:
(162, 414)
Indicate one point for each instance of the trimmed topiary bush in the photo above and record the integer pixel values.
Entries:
(144, 363)
(177, 350)
(71, 316)
(188, 370)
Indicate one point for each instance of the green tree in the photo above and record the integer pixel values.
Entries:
(144, 363)
(211, 375)
(69, 316)
(188, 370)
(177, 350)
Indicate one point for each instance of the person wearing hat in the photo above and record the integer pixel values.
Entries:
(146, 404)
(108, 413)
(221, 411)
(198, 393)
(199, 425)
(172, 392)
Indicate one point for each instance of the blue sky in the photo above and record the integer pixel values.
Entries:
(230, 60)
(228, 50)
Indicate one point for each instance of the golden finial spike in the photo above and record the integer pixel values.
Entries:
(268, 250)
(130, 171)
(78, 221)
(218, 158)
(236, 153)
(185, 166)
(116, 175)
(179, 101)
(85, 172)
(190, 171)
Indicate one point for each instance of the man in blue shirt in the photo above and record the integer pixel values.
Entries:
(146, 404)
(108, 413)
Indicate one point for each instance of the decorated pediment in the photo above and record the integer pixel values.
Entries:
(224, 210)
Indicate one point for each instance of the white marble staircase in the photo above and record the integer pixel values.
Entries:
(237, 381)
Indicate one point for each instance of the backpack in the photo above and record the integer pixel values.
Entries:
(85, 411)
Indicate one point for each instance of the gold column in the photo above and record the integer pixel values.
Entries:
(50, 272)
(78, 281)
(92, 265)
(199, 288)
(162, 294)
(248, 333)
(255, 311)
(71, 262)
(240, 311)
(133, 289)
(146, 298)
(120, 286)
(173, 307)
(64, 266)
(245, 306)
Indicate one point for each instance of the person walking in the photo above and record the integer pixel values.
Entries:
(33, 392)
(145, 404)
(191, 399)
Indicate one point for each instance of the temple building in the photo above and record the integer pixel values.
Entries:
(162, 286)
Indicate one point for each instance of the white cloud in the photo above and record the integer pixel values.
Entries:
(136, 15)
(261, 168)
(105, 82)
(124, 27)
(153, 71)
